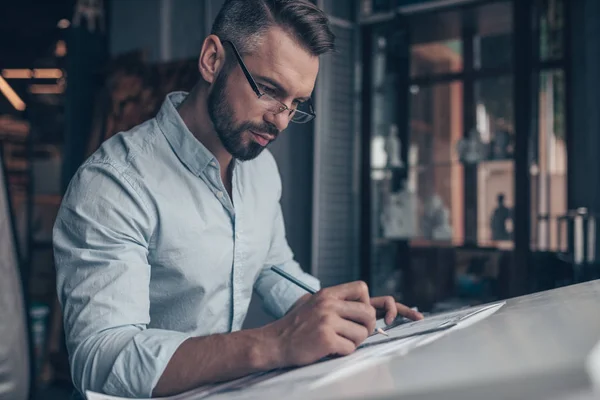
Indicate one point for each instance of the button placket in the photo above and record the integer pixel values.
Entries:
(218, 189)
(238, 256)
(238, 267)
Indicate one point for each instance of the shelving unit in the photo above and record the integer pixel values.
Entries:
(443, 76)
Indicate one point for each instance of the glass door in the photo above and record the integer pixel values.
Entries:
(388, 225)
(548, 156)
(438, 128)
(439, 132)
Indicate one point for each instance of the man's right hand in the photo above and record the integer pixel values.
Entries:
(333, 321)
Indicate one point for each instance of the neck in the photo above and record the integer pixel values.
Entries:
(194, 113)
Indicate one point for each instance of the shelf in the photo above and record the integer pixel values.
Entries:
(421, 166)
(388, 168)
(415, 242)
(496, 161)
(381, 241)
(415, 125)
(426, 243)
(446, 164)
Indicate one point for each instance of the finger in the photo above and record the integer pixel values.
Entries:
(353, 291)
(408, 312)
(386, 305)
(357, 312)
(352, 331)
(342, 346)
(391, 310)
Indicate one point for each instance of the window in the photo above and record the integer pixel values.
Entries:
(549, 161)
(435, 174)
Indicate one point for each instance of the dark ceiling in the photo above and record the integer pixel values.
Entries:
(28, 36)
(28, 30)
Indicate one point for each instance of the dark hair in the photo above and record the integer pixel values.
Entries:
(244, 22)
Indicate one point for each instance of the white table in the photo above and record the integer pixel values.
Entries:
(534, 347)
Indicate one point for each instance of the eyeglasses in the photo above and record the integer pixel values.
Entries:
(301, 114)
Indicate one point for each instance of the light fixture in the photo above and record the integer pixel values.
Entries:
(46, 89)
(63, 23)
(20, 73)
(11, 95)
(47, 73)
(38, 73)
(61, 49)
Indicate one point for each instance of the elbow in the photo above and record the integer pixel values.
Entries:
(88, 369)
(84, 371)
(92, 360)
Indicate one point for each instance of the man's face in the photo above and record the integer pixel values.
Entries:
(281, 68)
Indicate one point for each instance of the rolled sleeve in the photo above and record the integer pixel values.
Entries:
(101, 239)
(277, 293)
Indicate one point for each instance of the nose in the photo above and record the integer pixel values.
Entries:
(281, 120)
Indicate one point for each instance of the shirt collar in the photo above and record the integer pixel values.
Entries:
(188, 149)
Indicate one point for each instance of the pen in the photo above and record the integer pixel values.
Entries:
(293, 280)
(307, 288)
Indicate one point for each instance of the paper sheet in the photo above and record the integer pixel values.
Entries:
(431, 324)
(593, 367)
(374, 350)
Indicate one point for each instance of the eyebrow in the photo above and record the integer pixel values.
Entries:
(279, 87)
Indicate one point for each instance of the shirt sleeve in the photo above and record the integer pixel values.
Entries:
(279, 294)
(101, 239)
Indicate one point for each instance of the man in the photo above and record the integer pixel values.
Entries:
(167, 229)
(500, 219)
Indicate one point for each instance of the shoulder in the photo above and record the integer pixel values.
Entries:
(124, 149)
(118, 165)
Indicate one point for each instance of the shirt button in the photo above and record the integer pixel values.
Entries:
(220, 195)
(237, 235)
(214, 164)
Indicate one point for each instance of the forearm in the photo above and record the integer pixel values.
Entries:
(217, 358)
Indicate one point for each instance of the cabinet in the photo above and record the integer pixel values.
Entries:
(446, 155)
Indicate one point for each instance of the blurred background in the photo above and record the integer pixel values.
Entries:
(452, 161)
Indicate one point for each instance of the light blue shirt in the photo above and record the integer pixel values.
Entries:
(151, 250)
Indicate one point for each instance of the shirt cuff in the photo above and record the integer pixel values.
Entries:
(284, 294)
(141, 363)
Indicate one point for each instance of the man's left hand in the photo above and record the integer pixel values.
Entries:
(388, 307)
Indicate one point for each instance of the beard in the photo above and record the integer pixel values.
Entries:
(230, 133)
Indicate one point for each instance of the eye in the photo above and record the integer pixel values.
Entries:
(266, 89)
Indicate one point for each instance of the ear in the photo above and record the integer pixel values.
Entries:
(212, 58)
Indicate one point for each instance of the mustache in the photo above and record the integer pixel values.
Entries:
(260, 128)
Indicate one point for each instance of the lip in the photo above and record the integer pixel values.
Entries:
(262, 138)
